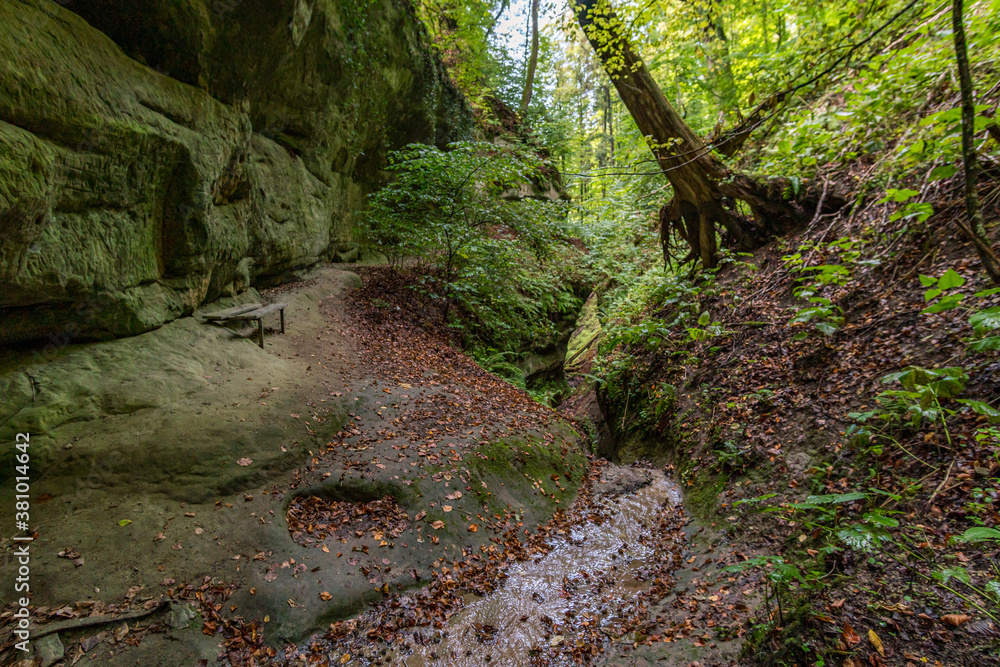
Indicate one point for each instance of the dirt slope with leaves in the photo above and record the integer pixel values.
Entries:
(830, 405)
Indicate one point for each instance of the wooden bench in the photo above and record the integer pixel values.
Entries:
(249, 311)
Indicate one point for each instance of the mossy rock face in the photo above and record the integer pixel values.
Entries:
(165, 153)
(588, 328)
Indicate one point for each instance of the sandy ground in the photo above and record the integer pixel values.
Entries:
(172, 457)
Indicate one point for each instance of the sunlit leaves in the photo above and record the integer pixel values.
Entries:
(940, 382)
(984, 409)
(985, 320)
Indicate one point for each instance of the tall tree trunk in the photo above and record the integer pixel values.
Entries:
(716, 46)
(611, 125)
(529, 77)
(704, 190)
(976, 230)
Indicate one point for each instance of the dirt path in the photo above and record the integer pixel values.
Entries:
(175, 481)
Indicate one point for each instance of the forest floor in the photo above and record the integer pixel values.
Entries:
(243, 504)
(761, 419)
(268, 492)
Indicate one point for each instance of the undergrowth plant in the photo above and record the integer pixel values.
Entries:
(824, 316)
(856, 521)
(498, 259)
(929, 396)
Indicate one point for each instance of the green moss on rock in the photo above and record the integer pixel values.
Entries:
(156, 158)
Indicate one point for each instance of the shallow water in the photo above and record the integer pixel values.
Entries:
(501, 628)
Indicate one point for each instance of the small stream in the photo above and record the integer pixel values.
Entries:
(589, 572)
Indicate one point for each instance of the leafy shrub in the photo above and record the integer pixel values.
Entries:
(460, 218)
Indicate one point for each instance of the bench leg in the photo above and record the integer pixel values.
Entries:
(260, 331)
(282, 311)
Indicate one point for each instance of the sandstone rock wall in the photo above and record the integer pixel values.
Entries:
(157, 154)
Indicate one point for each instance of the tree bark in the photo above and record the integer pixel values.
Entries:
(529, 77)
(976, 230)
(496, 19)
(704, 189)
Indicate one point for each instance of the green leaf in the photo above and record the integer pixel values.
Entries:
(826, 328)
(947, 116)
(947, 303)
(807, 314)
(981, 408)
(947, 573)
(704, 318)
(942, 172)
(986, 320)
(950, 279)
(879, 519)
(784, 572)
(837, 498)
(979, 534)
(124, 522)
(927, 281)
(989, 344)
(860, 537)
(758, 499)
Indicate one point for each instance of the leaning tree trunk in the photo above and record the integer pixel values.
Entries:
(704, 190)
(976, 230)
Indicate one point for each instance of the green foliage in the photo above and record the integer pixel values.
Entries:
(894, 102)
(655, 290)
(983, 323)
(983, 319)
(780, 572)
(921, 211)
(822, 313)
(980, 534)
(918, 402)
(873, 530)
(500, 363)
(706, 328)
(458, 30)
(500, 258)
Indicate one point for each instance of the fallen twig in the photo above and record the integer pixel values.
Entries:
(941, 485)
(90, 621)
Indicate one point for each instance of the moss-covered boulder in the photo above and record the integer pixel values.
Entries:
(160, 154)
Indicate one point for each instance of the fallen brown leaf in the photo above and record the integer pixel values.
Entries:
(849, 636)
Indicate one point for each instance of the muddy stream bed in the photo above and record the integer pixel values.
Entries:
(581, 592)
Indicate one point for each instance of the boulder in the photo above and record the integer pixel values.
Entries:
(162, 154)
